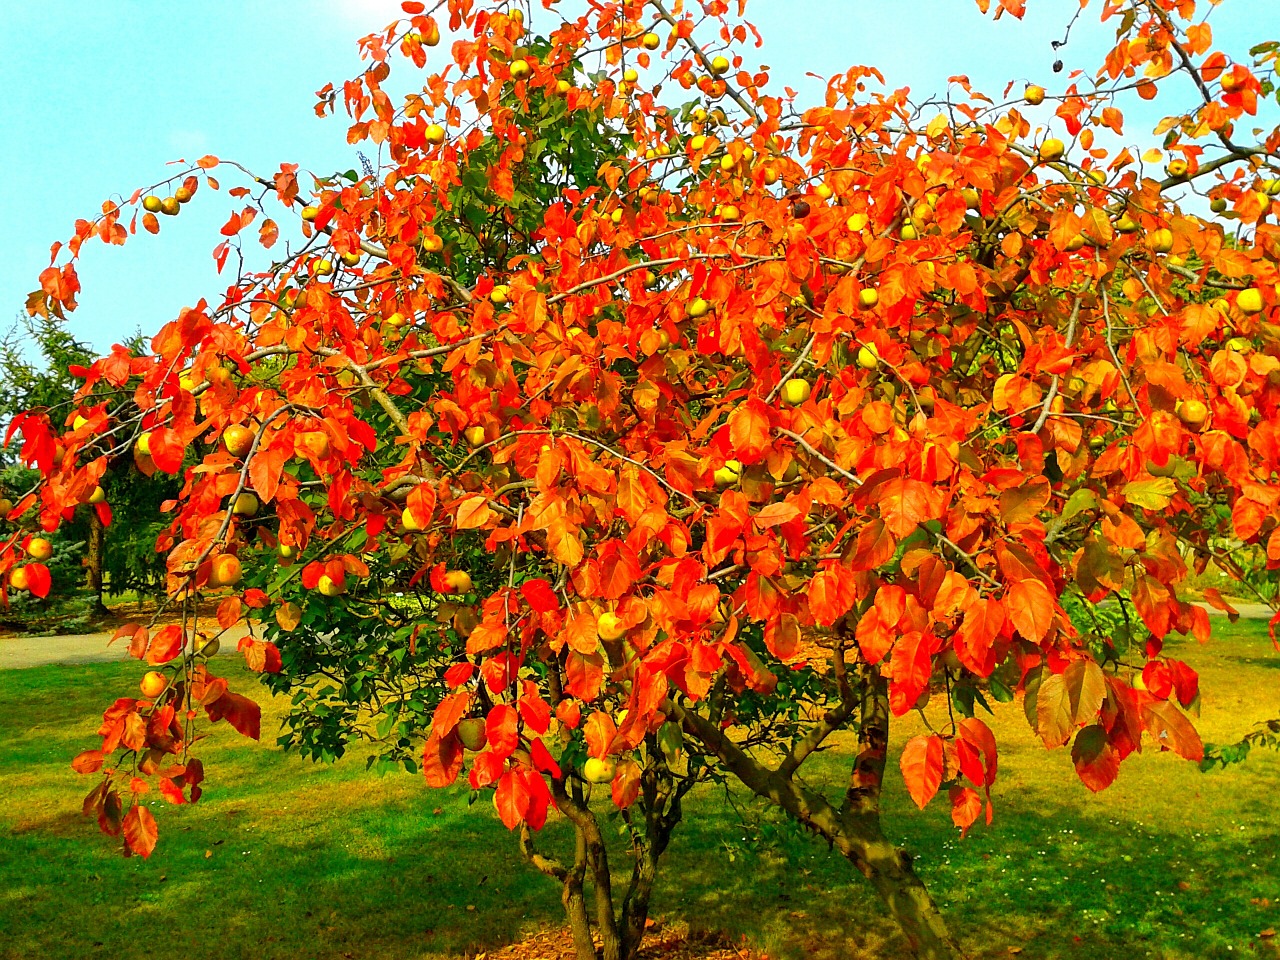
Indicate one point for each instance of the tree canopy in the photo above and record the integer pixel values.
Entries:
(631, 427)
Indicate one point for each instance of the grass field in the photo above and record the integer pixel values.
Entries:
(283, 859)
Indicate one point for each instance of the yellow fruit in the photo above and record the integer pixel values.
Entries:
(651, 41)
(153, 684)
(720, 65)
(151, 203)
(183, 195)
(730, 212)
(727, 163)
(433, 244)
(1177, 168)
(1052, 149)
(1250, 301)
(610, 626)
(868, 297)
(824, 191)
(698, 143)
(98, 496)
(170, 206)
(432, 36)
(1272, 187)
(18, 579)
(457, 581)
(237, 439)
(1192, 412)
(563, 87)
(630, 75)
(698, 309)
(868, 359)
(246, 505)
(857, 222)
(410, 520)
(323, 268)
(224, 571)
(909, 232)
(599, 771)
(351, 259)
(728, 475)
(435, 134)
(474, 435)
(796, 391)
(473, 734)
(310, 212)
(500, 295)
(520, 69)
(210, 648)
(329, 587)
(143, 444)
(1034, 95)
(286, 551)
(1160, 241)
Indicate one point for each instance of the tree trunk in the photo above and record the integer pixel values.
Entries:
(889, 870)
(853, 828)
(94, 562)
(575, 904)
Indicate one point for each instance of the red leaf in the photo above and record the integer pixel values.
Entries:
(167, 449)
(171, 791)
(140, 831)
(239, 711)
(921, 765)
(450, 710)
(1029, 606)
(228, 613)
(412, 7)
(1066, 700)
(619, 569)
(166, 644)
(626, 784)
(1097, 762)
(88, 762)
(539, 595)
(511, 799)
(831, 593)
(502, 727)
(905, 504)
(966, 807)
(600, 731)
(1172, 730)
(39, 580)
(441, 760)
(776, 514)
(749, 430)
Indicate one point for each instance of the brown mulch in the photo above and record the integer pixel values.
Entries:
(673, 943)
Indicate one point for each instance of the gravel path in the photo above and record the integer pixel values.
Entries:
(19, 652)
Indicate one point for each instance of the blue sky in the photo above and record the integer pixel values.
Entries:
(103, 93)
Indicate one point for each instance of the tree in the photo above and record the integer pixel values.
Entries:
(758, 422)
(49, 385)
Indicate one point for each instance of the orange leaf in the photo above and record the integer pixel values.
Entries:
(473, 512)
(749, 430)
(140, 831)
(921, 765)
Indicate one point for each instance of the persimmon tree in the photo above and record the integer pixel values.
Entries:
(654, 390)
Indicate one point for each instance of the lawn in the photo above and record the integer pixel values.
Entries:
(284, 859)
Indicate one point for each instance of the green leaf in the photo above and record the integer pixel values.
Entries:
(1151, 494)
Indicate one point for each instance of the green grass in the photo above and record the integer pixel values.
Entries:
(284, 859)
